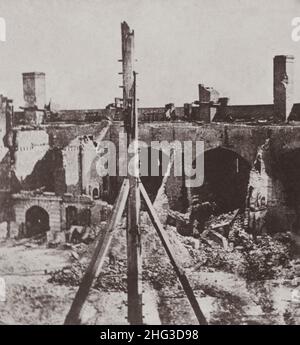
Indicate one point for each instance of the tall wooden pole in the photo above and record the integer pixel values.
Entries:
(127, 63)
(134, 275)
(134, 278)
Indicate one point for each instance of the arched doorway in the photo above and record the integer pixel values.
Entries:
(96, 193)
(226, 177)
(36, 221)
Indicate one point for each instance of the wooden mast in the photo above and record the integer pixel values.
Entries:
(134, 275)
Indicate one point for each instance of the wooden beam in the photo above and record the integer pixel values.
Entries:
(134, 255)
(134, 261)
(177, 267)
(127, 62)
(75, 313)
(134, 265)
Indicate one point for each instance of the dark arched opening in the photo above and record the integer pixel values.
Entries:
(95, 193)
(36, 221)
(226, 177)
(287, 171)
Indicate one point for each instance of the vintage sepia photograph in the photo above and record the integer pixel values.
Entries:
(149, 164)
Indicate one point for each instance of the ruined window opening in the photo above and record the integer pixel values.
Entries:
(71, 216)
(84, 218)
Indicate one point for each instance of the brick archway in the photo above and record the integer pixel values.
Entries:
(50, 203)
(36, 221)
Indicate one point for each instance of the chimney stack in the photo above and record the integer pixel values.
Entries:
(34, 90)
(283, 85)
(208, 97)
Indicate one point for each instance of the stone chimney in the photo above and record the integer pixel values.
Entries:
(34, 90)
(208, 97)
(283, 85)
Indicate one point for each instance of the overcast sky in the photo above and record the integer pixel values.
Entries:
(227, 44)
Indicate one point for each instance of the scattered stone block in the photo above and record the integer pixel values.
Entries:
(217, 238)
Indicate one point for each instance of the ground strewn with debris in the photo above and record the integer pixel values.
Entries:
(247, 282)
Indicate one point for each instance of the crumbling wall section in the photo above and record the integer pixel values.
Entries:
(30, 147)
(61, 135)
(48, 174)
(80, 159)
(267, 195)
(71, 166)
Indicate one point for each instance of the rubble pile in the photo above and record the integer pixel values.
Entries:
(69, 275)
(180, 221)
(157, 269)
(113, 277)
(160, 275)
(207, 255)
(260, 259)
(212, 258)
(292, 273)
(82, 234)
(223, 219)
(265, 258)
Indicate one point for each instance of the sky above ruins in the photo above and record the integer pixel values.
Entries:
(226, 44)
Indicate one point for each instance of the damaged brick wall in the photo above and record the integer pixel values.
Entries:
(267, 195)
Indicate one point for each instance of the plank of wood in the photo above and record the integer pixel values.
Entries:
(227, 223)
(134, 251)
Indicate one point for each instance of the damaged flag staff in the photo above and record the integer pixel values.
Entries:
(130, 194)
